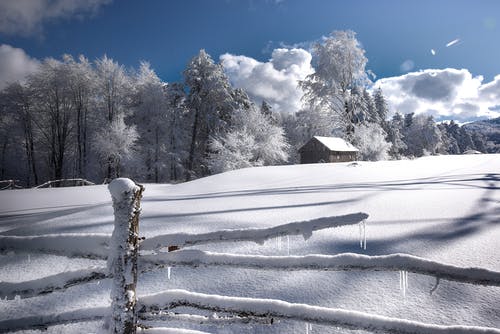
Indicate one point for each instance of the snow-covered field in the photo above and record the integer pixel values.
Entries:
(443, 208)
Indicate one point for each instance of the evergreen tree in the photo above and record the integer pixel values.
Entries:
(395, 136)
(381, 108)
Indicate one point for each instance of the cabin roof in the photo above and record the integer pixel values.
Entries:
(336, 144)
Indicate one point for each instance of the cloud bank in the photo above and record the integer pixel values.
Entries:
(26, 17)
(275, 81)
(446, 94)
(15, 64)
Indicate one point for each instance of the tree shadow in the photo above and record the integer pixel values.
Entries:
(11, 223)
(463, 181)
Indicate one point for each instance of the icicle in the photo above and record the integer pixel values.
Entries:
(403, 281)
(406, 280)
(278, 243)
(435, 286)
(169, 270)
(362, 234)
(287, 245)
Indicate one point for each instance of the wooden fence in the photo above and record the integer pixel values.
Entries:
(125, 263)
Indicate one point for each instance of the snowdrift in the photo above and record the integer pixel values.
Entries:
(444, 209)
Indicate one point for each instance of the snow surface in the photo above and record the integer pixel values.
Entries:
(442, 208)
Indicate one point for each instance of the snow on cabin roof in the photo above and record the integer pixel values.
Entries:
(336, 144)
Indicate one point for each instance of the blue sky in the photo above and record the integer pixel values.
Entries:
(398, 35)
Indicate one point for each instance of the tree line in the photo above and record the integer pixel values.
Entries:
(73, 118)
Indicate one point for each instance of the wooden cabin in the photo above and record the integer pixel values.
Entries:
(327, 149)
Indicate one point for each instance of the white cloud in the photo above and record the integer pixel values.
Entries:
(275, 81)
(25, 17)
(446, 93)
(15, 64)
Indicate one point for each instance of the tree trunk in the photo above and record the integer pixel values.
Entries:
(157, 154)
(193, 147)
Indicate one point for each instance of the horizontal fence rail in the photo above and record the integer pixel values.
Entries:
(340, 262)
(66, 183)
(45, 320)
(87, 245)
(314, 314)
(51, 283)
(304, 228)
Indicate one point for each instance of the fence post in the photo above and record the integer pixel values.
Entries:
(122, 260)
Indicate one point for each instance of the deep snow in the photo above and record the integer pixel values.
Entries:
(444, 208)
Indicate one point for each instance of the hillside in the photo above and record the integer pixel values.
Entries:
(444, 208)
(490, 129)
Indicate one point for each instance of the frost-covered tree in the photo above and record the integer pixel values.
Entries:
(17, 134)
(357, 106)
(52, 97)
(178, 131)
(114, 93)
(449, 134)
(381, 108)
(422, 136)
(114, 143)
(340, 65)
(267, 110)
(252, 140)
(369, 138)
(150, 113)
(371, 113)
(395, 136)
(113, 88)
(211, 101)
(81, 83)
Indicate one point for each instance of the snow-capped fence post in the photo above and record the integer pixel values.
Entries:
(122, 260)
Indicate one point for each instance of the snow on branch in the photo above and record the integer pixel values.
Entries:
(44, 321)
(304, 228)
(66, 183)
(168, 330)
(315, 314)
(88, 245)
(51, 283)
(344, 261)
(154, 317)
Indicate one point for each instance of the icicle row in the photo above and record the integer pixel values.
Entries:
(309, 328)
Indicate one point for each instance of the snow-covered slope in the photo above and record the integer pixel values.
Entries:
(444, 208)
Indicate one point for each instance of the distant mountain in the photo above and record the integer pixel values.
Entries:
(490, 129)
